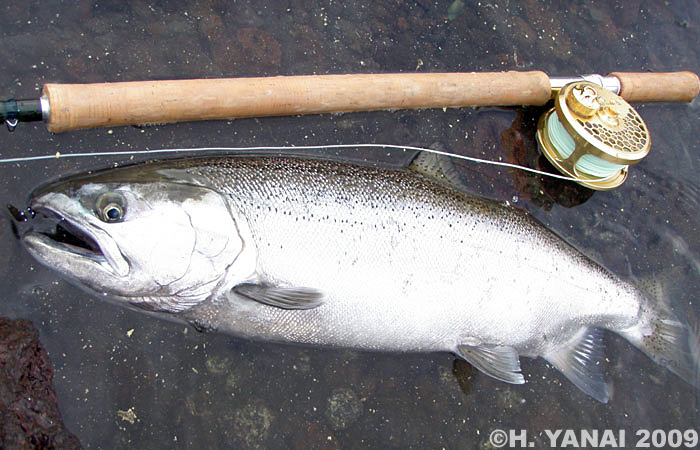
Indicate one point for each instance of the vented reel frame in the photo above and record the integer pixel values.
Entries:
(592, 135)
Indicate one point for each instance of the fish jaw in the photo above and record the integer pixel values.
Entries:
(98, 256)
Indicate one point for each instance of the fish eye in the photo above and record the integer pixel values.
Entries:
(111, 207)
(113, 212)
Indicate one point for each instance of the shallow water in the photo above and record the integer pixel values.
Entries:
(188, 389)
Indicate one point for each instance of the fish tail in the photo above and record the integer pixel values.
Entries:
(670, 342)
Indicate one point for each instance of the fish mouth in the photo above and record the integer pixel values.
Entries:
(67, 235)
(59, 240)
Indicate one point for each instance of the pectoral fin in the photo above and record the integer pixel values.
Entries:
(580, 362)
(281, 297)
(497, 361)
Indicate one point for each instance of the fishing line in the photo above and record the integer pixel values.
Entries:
(302, 147)
(588, 164)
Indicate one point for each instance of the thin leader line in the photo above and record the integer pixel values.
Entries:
(301, 147)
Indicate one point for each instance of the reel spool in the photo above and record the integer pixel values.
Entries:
(592, 135)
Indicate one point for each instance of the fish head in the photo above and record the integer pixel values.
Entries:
(157, 239)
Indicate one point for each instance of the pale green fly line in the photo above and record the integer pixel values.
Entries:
(589, 164)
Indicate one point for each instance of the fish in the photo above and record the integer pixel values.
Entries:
(318, 252)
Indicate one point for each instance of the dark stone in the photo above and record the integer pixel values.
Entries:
(521, 148)
(29, 415)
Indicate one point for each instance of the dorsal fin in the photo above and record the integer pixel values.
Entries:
(438, 168)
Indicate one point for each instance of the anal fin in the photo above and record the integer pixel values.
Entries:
(497, 361)
(580, 362)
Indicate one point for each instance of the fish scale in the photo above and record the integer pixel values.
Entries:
(304, 217)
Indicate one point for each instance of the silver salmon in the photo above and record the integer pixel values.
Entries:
(316, 252)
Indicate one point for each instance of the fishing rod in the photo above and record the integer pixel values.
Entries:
(593, 137)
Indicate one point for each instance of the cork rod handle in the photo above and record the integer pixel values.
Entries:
(658, 87)
(76, 106)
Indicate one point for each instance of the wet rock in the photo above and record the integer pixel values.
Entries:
(251, 51)
(29, 415)
(629, 13)
(5, 227)
(251, 424)
(455, 9)
(308, 47)
(259, 49)
(402, 23)
(521, 148)
(344, 408)
(464, 373)
(211, 25)
(311, 436)
(343, 370)
(395, 426)
(249, 14)
(603, 22)
(550, 38)
(218, 365)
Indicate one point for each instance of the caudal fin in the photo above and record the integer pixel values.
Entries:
(671, 343)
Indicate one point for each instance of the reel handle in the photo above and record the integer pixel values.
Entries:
(658, 87)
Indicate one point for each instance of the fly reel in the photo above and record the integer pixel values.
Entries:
(592, 135)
